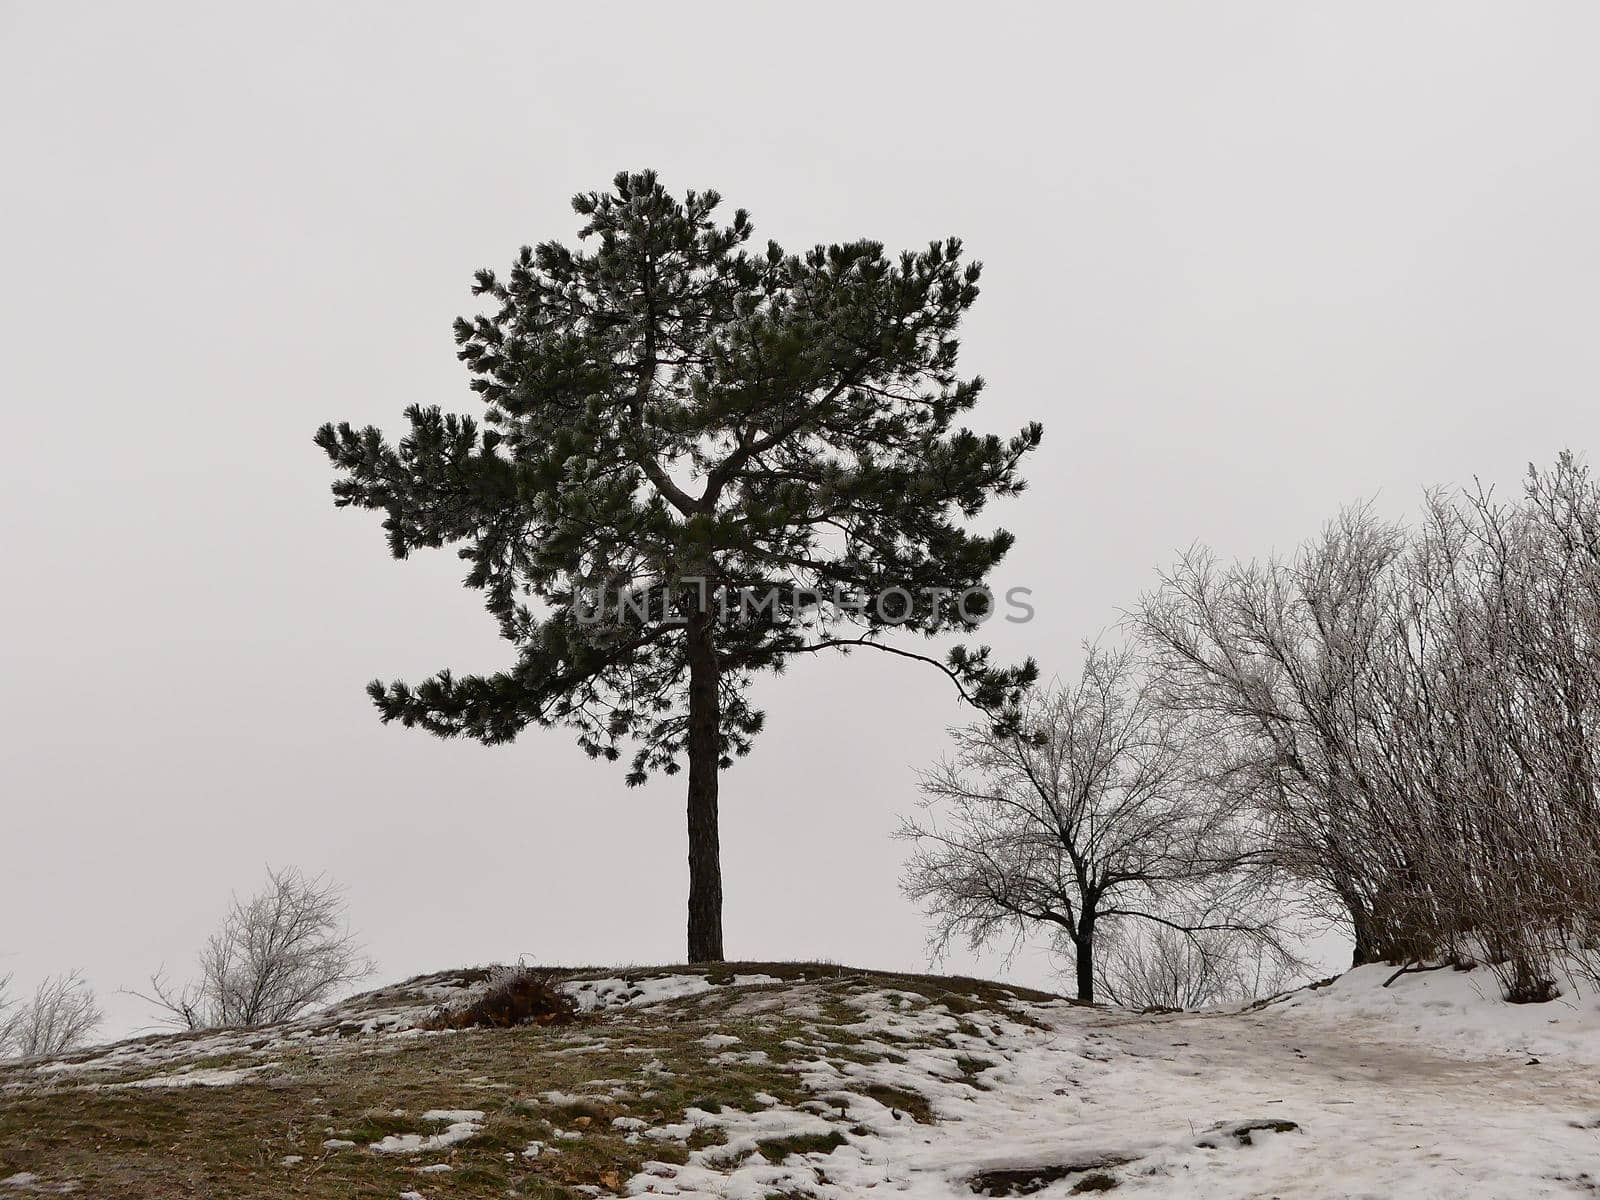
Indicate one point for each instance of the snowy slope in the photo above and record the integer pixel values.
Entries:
(1460, 1012)
(1421, 1090)
(841, 1084)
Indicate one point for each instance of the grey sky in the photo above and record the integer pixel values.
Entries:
(1246, 262)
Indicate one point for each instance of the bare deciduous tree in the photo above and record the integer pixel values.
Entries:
(60, 1016)
(277, 954)
(1163, 968)
(1101, 807)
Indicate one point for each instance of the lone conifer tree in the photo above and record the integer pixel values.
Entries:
(696, 462)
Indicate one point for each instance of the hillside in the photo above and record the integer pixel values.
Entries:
(760, 1080)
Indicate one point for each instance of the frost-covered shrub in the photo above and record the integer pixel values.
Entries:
(1414, 712)
(60, 1016)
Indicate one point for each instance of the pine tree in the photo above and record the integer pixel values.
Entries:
(696, 461)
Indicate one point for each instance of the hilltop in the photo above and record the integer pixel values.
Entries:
(761, 1080)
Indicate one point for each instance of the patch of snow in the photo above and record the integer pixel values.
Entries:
(196, 1077)
(464, 1123)
(748, 1058)
(454, 1114)
(593, 994)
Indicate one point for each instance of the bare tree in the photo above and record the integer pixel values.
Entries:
(1100, 807)
(1163, 968)
(60, 1016)
(277, 954)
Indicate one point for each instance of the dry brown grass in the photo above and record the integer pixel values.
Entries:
(649, 1065)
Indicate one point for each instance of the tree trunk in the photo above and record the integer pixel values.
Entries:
(704, 750)
(1083, 951)
(1364, 951)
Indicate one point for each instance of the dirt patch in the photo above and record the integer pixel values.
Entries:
(1024, 1181)
(1240, 1131)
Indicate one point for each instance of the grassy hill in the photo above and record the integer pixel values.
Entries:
(305, 1109)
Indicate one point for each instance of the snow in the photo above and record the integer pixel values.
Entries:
(592, 994)
(1460, 1012)
(561, 1099)
(197, 1077)
(1431, 1088)
(453, 1115)
(1424, 1091)
(463, 1123)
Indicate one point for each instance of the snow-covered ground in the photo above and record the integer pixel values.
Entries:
(1459, 1012)
(1431, 1087)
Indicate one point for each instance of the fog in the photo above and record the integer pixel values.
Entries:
(1246, 263)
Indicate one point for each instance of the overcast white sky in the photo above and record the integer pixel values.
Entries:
(1246, 262)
